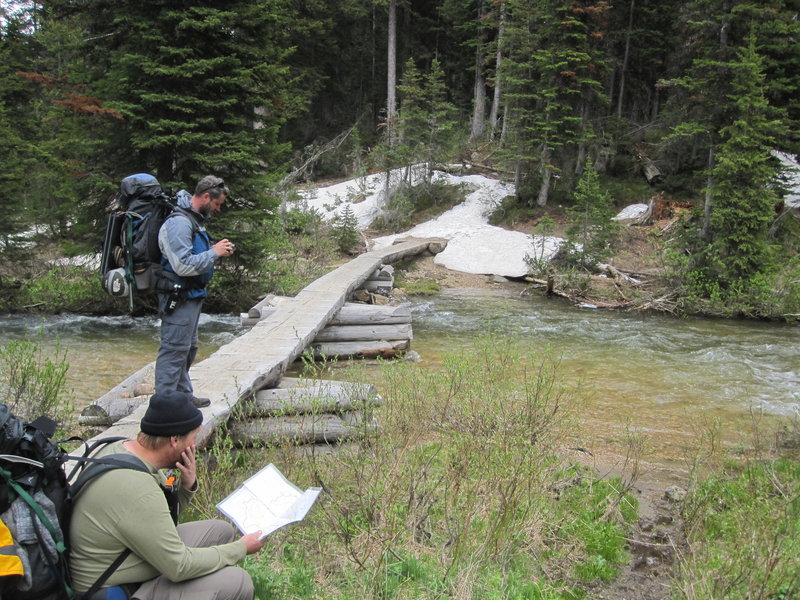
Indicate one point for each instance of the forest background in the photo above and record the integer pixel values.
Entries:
(570, 100)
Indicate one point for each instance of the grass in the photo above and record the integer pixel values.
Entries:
(453, 498)
(743, 530)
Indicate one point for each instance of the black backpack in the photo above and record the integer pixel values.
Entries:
(131, 259)
(36, 498)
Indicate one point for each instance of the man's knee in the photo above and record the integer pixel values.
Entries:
(238, 585)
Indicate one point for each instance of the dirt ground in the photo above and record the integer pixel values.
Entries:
(657, 537)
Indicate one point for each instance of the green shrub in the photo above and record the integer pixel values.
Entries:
(451, 497)
(32, 383)
(743, 530)
(70, 289)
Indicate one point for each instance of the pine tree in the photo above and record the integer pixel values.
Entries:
(591, 232)
(743, 196)
(553, 77)
(203, 86)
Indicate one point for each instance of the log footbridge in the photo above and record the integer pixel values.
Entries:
(253, 365)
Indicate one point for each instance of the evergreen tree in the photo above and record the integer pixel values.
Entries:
(743, 194)
(203, 86)
(14, 123)
(591, 232)
(553, 77)
(425, 122)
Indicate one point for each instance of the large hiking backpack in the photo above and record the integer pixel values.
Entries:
(131, 259)
(36, 506)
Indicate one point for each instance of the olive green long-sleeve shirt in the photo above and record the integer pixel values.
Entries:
(124, 508)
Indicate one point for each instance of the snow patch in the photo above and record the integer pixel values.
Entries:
(474, 246)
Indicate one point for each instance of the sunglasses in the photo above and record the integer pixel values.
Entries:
(220, 185)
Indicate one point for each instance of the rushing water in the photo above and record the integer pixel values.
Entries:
(656, 374)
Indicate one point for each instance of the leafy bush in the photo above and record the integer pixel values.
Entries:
(743, 529)
(452, 497)
(32, 383)
(70, 288)
(414, 204)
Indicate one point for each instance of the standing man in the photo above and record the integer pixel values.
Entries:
(188, 257)
(123, 517)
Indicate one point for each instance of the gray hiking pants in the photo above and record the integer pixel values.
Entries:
(178, 345)
(230, 583)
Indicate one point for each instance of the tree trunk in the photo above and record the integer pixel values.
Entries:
(391, 74)
(479, 92)
(624, 68)
(707, 202)
(493, 115)
(547, 175)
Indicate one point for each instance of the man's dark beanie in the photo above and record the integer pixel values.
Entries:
(170, 413)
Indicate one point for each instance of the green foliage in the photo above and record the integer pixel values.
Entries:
(32, 381)
(743, 529)
(425, 121)
(345, 229)
(552, 76)
(70, 289)
(539, 263)
(731, 262)
(415, 204)
(591, 232)
(452, 497)
(422, 287)
(509, 211)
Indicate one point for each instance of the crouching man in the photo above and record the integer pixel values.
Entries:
(127, 512)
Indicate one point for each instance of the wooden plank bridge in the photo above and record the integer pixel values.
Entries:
(258, 359)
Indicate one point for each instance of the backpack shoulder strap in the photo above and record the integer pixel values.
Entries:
(180, 210)
(98, 466)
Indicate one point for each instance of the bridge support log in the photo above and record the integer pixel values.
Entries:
(352, 313)
(359, 349)
(302, 396)
(301, 429)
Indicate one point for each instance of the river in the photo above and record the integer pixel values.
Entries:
(664, 377)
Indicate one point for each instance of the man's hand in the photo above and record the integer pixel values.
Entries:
(187, 465)
(223, 247)
(252, 542)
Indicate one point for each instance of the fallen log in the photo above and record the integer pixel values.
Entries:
(301, 429)
(354, 333)
(365, 349)
(121, 400)
(385, 273)
(302, 396)
(379, 286)
(351, 313)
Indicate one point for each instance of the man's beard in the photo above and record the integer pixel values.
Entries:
(205, 210)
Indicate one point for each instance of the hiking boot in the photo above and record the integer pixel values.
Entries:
(200, 402)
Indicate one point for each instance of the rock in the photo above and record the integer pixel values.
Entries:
(361, 295)
(675, 494)
(412, 356)
(631, 213)
(379, 299)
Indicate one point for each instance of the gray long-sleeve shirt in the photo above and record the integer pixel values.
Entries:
(177, 244)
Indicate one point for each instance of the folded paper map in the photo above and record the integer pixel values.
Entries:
(266, 502)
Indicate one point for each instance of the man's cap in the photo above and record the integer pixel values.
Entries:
(170, 413)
